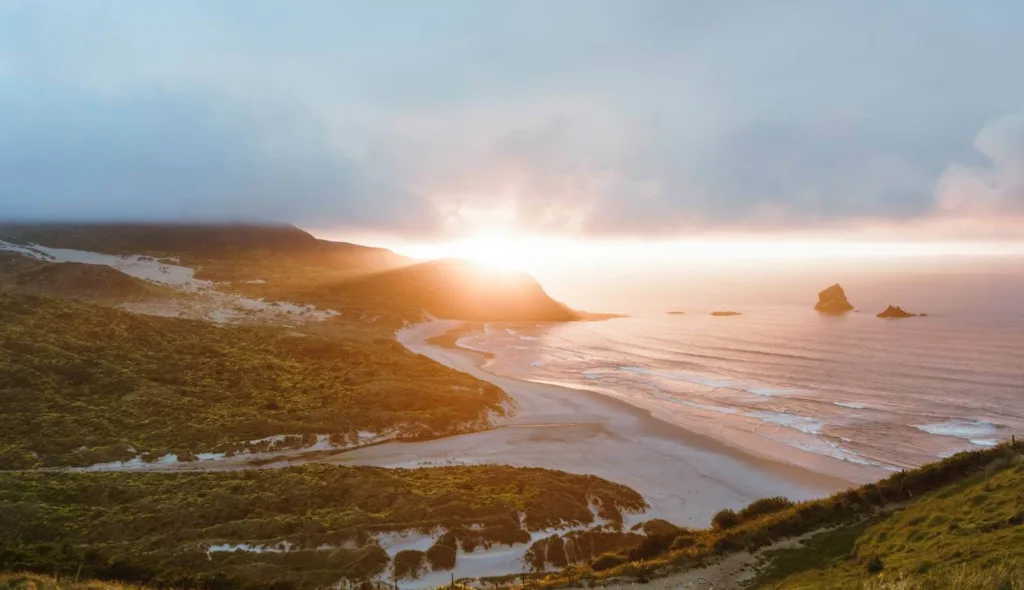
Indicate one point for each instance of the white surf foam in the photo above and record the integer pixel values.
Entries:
(960, 428)
(801, 423)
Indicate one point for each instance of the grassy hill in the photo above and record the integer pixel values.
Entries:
(968, 534)
(164, 529)
(366, 285)
(207, 245)
(83, 384)
(959, 517)
(31, 581)
(456, 289)
(87, 282)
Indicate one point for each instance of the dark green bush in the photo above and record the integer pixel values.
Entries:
(607, 561)
(725, 519)
(409, 564)
(441, 557)
(650, 546)
(764, 506)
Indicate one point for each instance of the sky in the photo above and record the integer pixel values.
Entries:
(597, 119)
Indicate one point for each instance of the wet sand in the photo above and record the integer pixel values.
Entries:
(685, 476)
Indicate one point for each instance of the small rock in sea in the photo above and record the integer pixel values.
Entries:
(833, 300)
(725, 313)
(896, 312)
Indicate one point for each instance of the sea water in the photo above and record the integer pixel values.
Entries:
(886, 393)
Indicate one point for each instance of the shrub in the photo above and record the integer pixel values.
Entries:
(764, 506)
(607, 561)
(875, 565)
(725, 519)
(409, 564)
(650, 546)
(683, 541)
(441, 557)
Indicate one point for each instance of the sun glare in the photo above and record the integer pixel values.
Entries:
(498, 251)
(532, 254)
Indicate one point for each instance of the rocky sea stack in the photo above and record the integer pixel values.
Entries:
(896, 312)
(833, 300)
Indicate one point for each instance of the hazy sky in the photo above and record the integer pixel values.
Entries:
(430, 118)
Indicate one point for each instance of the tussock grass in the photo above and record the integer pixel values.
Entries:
(30, 581)
(82, 384)
(983, 491)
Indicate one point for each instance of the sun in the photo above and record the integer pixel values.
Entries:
(499, 251)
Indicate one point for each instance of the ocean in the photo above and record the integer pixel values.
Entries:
(886, 393)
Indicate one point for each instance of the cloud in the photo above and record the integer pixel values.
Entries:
(583, 117)
(996, 186)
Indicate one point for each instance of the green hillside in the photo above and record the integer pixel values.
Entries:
(455, 289)
(961, 516)
(370, 286)
(968, 534)
(31, 581)
(180, 530)
(86, 282)
(82, 384)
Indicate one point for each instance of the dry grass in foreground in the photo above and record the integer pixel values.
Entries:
(29, 581)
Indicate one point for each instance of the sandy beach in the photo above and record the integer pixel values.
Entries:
(686, 477)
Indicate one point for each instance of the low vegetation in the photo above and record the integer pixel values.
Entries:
(83, 384)
(31, 581)
(373, 286)
(970, 531)
(316, 524)
(962, 511)
(86, 282)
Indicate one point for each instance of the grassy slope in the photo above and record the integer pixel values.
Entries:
(754, 529)
(966, 528)
(31, 581)
(21, 274)
(156, 527)
(363, 284)
(74, 376)
(454, 289)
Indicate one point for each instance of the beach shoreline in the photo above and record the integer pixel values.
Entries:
(686, 476)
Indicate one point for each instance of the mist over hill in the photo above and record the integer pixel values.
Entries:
(282, 262)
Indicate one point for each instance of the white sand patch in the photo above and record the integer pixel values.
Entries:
(141, 267)
(411, 540)
(274, 446)
(133, 464)
(498, 560)
(282, 547)
(207, 302)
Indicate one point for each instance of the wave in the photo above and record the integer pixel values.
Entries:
(761, 352)
(801, 423)
(850, 405)
(718, 409)
(770, 391)
(688, 377)
(960, 428)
